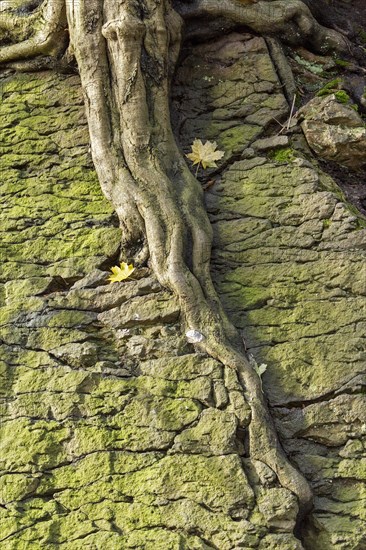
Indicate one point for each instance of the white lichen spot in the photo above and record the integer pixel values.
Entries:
(123, 333)
(194, 336)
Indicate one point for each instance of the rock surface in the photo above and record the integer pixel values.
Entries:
(115, 433)
(289, 263)
(335, 131)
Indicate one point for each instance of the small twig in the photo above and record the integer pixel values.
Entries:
(291, 112)
(287, 124)
(284, 126)
(244, 344)
(278, 122)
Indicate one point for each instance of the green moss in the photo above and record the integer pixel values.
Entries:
(283, 155)
(46, 338)
(95, 467)
(54, 212)
(160, 413)
(330, 87)
(213, 434)
(165, 525)
(280, 542)
(219, 482)
(331, 530)
(15, 487)
(234, 140)
(161, 539)
(52, 380)
(334, 87)
(199, 388)
(342, 63)
(29, 446)
(19, 289)
(342, 96)
(362, 35)
(184, 367)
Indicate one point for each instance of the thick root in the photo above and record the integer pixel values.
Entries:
(42, 33)
(289, 20)
(141, 163)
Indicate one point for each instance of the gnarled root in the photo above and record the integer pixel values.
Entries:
(289, 20)
(124, 67)
(43, 32)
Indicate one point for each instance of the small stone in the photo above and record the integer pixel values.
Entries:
(123, 333)
(194, 336)
(77, 354)
(248, 153)
(335, 131)
(220, 394)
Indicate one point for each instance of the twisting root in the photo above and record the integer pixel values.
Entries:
(125, 79)
(43, 32)
(290, 20)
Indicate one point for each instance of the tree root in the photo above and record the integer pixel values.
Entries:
(43, 32)
(289, 20)
(125, 79)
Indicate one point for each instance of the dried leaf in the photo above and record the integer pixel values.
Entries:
(261, 369)
(205, 154)
(120, 273)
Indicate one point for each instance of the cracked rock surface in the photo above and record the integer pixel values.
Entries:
(289, 264)
(115, 433)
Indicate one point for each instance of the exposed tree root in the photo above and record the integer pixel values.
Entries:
(290, 20)
(126, 85)
(43, 32)
(126, 52)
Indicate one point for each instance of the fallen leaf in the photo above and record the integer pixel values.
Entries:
(120, 273)
(261, 369)
(205, 154)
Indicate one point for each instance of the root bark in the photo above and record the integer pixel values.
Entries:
(126, 83)
(43, 32)
(290, 20)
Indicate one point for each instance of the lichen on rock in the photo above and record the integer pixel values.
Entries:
(115, 432)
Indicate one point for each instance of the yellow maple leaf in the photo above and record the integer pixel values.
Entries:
(120, 273)
(205, 154)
